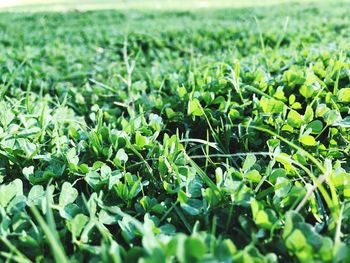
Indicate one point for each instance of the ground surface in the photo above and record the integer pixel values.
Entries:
(195, 135)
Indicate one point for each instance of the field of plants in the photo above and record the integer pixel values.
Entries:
(194, 135)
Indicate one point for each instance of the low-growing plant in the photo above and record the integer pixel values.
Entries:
(214, 136)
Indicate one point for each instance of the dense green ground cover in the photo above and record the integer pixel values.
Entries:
(188, 136)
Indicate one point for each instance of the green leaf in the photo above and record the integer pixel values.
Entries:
(316, 126)
(36, 195)
(308, 140)
(249, 162)
(194, 108)
(77, 224)
(105, 171)
(10, 191)
(170, 113)
(309, 114)
(265, 218)
(292, 220)
(155, 121)
(181, 91)
(140, 140)
(194, 249)
(271, 105)
(294, 76)
(234, 114)
(276, 173)
(68, 194)
(296, 240)
(294, 119)
(282, 187)
(28, 172)
(121, 157)
(255, 206)
(182, 197)
(193, 207)
(253, 176)
(332, 116)
(307, 91)
(345, 123)
(344, 95)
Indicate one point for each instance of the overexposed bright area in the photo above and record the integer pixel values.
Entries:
(8, 3)
(66, 5)
(18, 3)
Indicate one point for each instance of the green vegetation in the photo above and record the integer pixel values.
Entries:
(211, 135)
